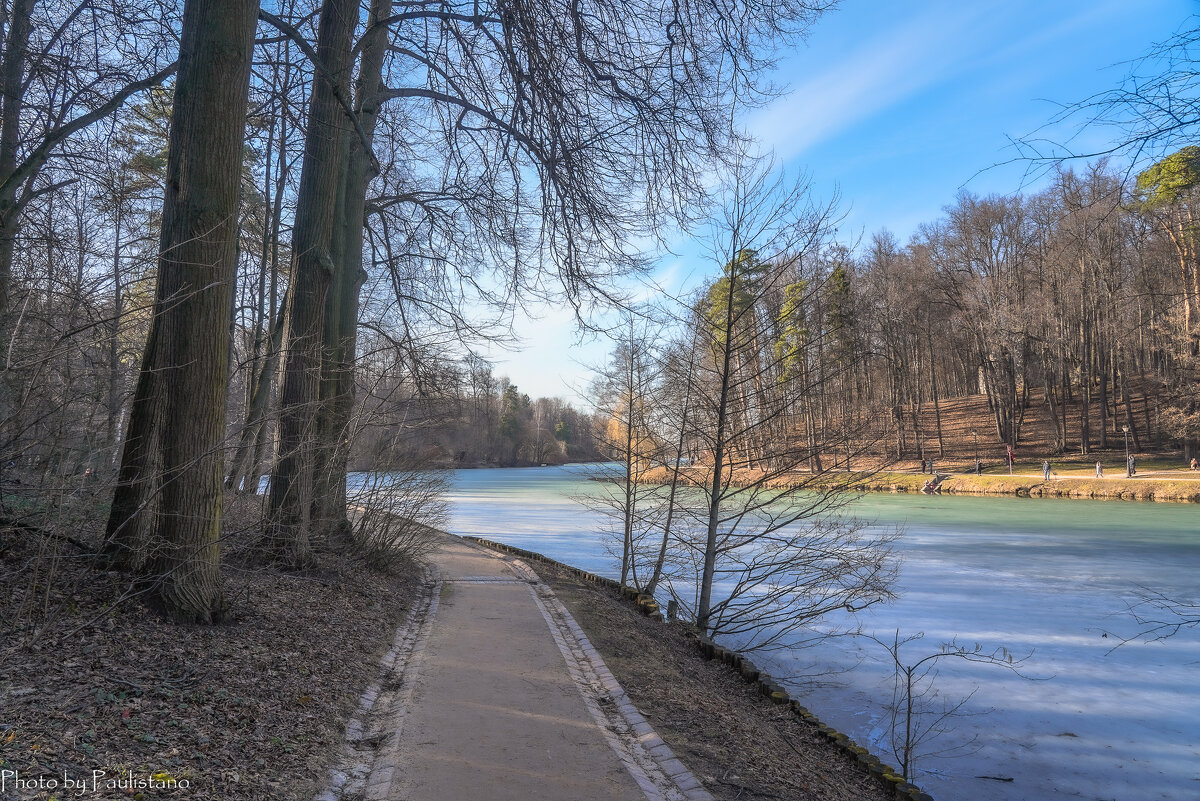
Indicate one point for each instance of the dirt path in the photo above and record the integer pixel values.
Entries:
(498, 694)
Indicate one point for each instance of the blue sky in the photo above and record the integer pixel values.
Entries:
(896, 106)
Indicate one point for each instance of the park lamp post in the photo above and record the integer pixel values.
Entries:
(978, 469)
(1128, 466)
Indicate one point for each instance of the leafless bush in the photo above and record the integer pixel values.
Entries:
(396, 514)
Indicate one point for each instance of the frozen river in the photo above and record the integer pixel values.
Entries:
(1052, 577)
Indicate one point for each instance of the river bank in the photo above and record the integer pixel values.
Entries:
(741, 734)
(1135, 489)
(1147, 488)
(1052, 577)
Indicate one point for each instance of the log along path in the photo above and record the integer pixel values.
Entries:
(491, 690)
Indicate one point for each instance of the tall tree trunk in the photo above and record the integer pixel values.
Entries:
(328, 508)
(113, 420)
(716, 490)
(1129, 421)
(627, 534)
(321, 181)
(1064, 396)
(1146, 416)
(1085, 390)
(933, 387)
(12, 92)
(341, 326)
(12, 87)
(1103, 370)
(172, 457)
(1052, 403)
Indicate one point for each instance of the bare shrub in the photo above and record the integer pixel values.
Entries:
(920, 713)
(396, 514)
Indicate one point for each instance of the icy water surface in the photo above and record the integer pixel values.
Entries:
(1047, 576)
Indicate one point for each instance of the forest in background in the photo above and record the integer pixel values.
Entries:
(473, 419)
(1072, 311)
(279, 265)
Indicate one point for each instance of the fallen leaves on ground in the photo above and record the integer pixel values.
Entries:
(254, 708)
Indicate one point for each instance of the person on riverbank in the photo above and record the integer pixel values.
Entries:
(1099, 470)
(1046, 470)
(1195, 464)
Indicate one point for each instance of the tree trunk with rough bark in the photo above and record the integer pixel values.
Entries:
(16, 53)
(166, 513)
(321, 182)
(341, 323)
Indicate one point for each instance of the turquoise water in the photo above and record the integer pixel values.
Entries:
(1051, 577)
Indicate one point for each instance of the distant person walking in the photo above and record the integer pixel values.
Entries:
(1131, 467)
(1099, 470)
(1046, 470)
(1195, 464)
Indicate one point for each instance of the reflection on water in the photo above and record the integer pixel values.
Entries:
(1052, 576)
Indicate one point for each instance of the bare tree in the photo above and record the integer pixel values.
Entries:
(525, 148)
(760, 532)
(758, 554)
(625, 393)
(65, 67)
(919, 713)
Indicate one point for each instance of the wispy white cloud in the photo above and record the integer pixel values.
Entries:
(1031, 48)
(873, 76)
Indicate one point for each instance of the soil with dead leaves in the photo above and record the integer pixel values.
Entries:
(110, 695)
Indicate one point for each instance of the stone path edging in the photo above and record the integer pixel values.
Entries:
(861, 757)
(367, 765)
(363, 767)
(651, 763)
